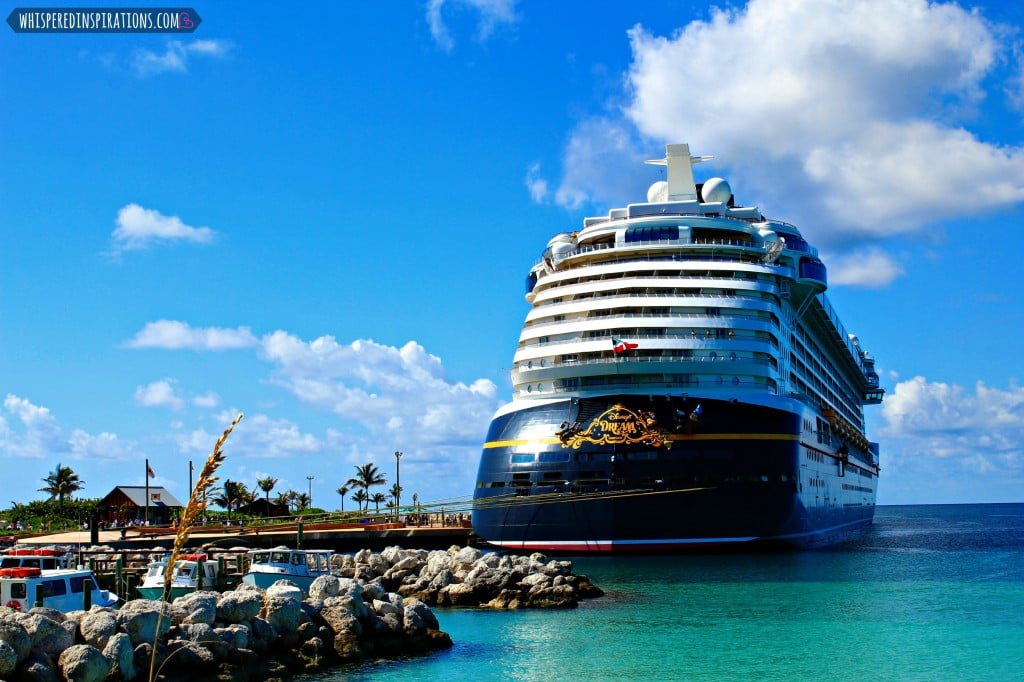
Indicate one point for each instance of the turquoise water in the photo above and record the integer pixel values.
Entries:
(930, 593)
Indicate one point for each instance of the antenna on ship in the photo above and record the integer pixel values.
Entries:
(681, 185)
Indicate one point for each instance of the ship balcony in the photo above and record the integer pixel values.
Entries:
(874, 397)
(812, 272)
(679, 249)
(711, 364)
(727, 387)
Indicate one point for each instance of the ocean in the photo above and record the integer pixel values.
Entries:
(931, 592)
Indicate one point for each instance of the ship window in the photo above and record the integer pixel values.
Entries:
(644, 233)
(554, 457)
(714, 312)
(19, 591)
(497, 484)
(552, 475)
(520, 477)
(522, 459)
(52, 588)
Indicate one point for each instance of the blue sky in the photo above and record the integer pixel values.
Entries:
(323, 219)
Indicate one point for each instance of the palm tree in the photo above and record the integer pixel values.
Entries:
(359, 497)
(266, 485)
(343, 491)
(233, 494)
(366, 476)
(61, 483)
(396, 492)
(301, 501)
(377, 498)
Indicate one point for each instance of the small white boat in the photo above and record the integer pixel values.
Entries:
(301, 566)
(63, 589)
(191, 572)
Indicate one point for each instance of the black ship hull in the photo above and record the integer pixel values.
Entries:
(629, 473)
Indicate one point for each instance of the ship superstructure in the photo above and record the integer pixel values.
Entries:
(681, 381)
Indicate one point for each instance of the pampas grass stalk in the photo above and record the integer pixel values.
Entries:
(196, 506)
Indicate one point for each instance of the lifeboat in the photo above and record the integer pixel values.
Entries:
(24, 572)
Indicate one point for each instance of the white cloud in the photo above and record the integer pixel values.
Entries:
(383, 386)
(940, 442)
(850, 119)
(536, 185)
(162, 393)
(206, 400)
(868, 268)
(172, 334)
(139, 228)
(258, 435)
(599, 161)
(491, 14)
(40, 437)
(177, 56)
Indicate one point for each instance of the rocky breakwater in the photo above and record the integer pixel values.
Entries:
(246, 634)
(376, 606)
(466, 576)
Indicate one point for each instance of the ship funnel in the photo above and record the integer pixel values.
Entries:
(681, 186)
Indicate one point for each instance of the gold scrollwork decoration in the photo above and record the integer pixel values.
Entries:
(618, 425)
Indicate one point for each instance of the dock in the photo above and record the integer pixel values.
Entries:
(340, 537)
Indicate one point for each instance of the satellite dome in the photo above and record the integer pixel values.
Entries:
(657, 192)
(716, 190)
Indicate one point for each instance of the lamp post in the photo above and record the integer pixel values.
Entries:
(310, 479)
(398, 485)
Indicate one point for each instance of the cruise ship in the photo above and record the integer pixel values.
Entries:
(681, 383)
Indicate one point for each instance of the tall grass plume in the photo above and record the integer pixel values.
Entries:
(196, 506)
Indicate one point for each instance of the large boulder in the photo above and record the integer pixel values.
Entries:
(196, 607)
(239, 606)
(47, 636)
(97, 627)
(14, 635)
(83, 663)
(121, 654)
(8, 660)
(143, 620)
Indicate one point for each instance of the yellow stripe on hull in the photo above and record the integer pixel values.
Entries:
(671, 437)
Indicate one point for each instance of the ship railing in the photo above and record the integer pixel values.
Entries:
(733, 315)
(622, 359)
(755, 259)
(682, 386)
(693, 335)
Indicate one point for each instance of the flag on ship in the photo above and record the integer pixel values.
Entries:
(149, 470)
(620, 346)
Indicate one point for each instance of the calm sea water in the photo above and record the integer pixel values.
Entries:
(930, 593)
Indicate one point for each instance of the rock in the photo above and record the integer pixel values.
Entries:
(323, 587)
(286, 589)
(121, 655)
(197, 607)
(141, 618)
(83, 663)
(97, 627)
(239, 606)
(14, 635)
(39, 668)
(47, 636)
(235, 636)
(283, 613)
(8, 659)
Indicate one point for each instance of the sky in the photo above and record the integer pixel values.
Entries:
(322, 217)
